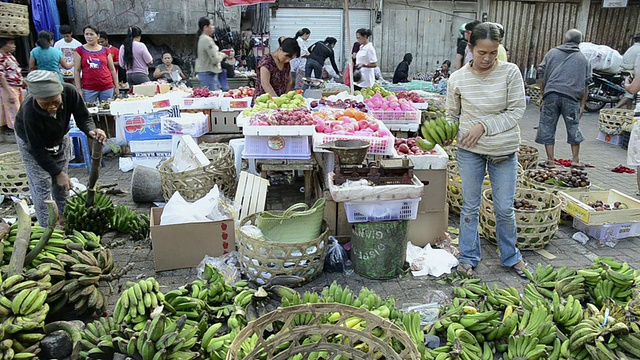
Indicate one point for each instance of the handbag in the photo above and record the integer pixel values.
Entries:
(299, 223)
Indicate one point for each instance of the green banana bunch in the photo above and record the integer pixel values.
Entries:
(56, 244)
(98, 334)
(589, 330)
(97, 219)
(524, 347)
(84, 271)
(629, 343)
(23, 311)
(571, 285)
(569, 314)
(129, 222)
(438, 131)
(501, 298)
(465, 344)
(136, 304)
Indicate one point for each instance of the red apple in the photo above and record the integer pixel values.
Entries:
(403, 148)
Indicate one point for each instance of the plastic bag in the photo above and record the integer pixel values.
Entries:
(336, 257)
(428, 261)
(228, 264)
(602, 57)
(212, 207)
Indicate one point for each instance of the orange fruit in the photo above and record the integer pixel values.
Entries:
(350, 112)
(359, 115)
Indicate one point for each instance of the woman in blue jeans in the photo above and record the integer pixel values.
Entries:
(486, 97)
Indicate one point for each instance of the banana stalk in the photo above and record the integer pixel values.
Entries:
(46, 235)
(96, 162)
(21, 244)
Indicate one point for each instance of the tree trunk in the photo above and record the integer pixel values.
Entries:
(20, 246)
(46, 235)
(96, 162)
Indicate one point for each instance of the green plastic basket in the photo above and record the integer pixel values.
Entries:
(299, 223)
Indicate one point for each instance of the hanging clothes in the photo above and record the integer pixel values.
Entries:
(46, 16)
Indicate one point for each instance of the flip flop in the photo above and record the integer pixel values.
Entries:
(518, 270)
(465, 268)
(578, 166)
(545, 165)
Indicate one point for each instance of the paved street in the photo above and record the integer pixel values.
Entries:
(409, 289)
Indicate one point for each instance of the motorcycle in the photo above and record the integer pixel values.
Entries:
(604, 89)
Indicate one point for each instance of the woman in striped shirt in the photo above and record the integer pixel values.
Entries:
(486, 96)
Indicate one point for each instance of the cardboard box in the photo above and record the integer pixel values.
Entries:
(576, 205)
(428, 227)
(151, 89)
(610, 139)
(336, 217)
(150, 146)
(602, 232)
(195, 125)
(435, 190)
(150, 161)
(144, 126)
(185, 245)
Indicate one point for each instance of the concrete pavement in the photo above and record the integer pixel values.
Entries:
(409, 289)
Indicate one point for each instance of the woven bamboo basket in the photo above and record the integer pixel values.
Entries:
(534, 92)
(454, 185)
(263, 259)
(527, 156)
(195, 184)
(13, 174)
(14, 19)
(535, 227)
(612, 120)
(530, 183)
(316, 334)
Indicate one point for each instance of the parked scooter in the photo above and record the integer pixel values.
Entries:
(604, 89)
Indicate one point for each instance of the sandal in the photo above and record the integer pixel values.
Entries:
(578, 166)
(465, 268)
(519, 271)
(545, 165)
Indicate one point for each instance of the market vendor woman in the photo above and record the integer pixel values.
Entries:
(274, 70)
(42, 125)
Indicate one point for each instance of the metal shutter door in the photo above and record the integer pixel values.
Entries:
(357, 19)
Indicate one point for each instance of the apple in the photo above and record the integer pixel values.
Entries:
(403, 148)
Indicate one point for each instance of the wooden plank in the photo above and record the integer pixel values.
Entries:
(240, 194)
(262, 195)
(343, 228)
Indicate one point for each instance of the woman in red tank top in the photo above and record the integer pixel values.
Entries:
(95, 75)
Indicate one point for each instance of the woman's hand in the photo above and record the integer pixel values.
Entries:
(471, 137)
(99, 135)
(63, 181)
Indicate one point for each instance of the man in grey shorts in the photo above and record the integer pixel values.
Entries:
(565, 75)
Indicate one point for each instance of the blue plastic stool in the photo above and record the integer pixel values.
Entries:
(81, 149)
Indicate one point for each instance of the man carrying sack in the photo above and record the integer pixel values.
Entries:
(42, 127)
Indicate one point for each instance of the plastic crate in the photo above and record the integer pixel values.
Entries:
(277, 147)
(398, 116)
(379, 145)
(385, 210)
(225, 122)
(602, 232)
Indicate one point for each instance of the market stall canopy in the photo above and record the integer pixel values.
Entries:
(245, 2)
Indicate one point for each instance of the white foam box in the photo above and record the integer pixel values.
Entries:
(610, 139)
(188, 155)
(142, 146)
(194, 124)
(126, 107)
(437, 161)
(602, 232)
(151, 162)
(200, 103)
(231, 104)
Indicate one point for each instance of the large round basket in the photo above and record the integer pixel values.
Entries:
(14, 19)
(195, 184)
(305, 329)
(527, 156)
(612, 120)
(535, 227)
(13, 174)
(549, 187)
(263, 259)
(454, 185)
(534, 92)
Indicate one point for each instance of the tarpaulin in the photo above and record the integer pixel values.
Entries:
(46, 16)
(245, 2)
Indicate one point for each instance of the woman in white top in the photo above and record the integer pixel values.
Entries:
(366, 59)
(298, 64)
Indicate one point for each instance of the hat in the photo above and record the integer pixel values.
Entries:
(43, 84)
(636, 36)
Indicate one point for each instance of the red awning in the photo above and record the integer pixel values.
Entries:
(245, 2)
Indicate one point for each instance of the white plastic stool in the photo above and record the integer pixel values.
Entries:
(238, 146)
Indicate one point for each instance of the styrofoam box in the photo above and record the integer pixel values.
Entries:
(277, 147)
(610, 139)
(436, 161)
(122, 107)
(200, 103)
(602, 232)
(196, 125)
(289, 130)
(151, 162)
(384, 210)
(141, 146)
(420, 106)
(152, 154)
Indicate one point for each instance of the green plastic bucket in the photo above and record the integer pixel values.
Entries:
(379, 249)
